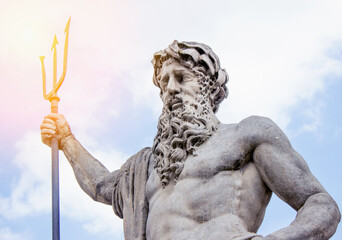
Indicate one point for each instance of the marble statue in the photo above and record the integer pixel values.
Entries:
(202, 179)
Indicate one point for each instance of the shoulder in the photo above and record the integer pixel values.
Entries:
(256, 122)
(253, 125)
(258, 129)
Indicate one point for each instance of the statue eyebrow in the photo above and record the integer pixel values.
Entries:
(181, 70)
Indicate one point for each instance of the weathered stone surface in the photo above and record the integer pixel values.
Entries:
(202, 179)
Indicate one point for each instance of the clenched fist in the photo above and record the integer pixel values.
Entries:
(55, 125)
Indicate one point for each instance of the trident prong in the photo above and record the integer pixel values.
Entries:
(56, 85)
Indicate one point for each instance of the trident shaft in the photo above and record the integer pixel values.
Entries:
(54, 99)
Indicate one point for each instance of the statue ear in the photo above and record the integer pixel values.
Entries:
(222, 77)
(220, 90)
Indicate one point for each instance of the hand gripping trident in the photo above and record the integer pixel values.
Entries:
(54, 99)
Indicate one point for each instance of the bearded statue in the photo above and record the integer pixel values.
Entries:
(185, 123)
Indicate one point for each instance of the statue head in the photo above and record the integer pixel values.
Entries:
(202, 61)
(192, 85)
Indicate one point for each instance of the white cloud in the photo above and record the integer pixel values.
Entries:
(142, 90)
(277, 59)
(314, 114)
(31, 191)
(275, 53)
(8, 234)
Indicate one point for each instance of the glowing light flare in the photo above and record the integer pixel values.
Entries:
(28, 35)
(24, 39)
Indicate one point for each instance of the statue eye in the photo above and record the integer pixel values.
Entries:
(187, 78)
(179, 78)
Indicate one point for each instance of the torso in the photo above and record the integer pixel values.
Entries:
(219, 194)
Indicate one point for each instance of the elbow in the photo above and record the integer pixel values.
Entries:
(102, 193)
(324, 208)
(96, 191)
(331, 207)
(89, 188)
(337, 213)
(333, 215)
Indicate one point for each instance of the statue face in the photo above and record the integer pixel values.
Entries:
(178, 84)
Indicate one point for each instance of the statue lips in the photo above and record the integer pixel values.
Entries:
(175, 103)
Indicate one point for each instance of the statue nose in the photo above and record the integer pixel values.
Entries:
(173, 85)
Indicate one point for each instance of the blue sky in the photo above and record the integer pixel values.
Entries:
(284, 59)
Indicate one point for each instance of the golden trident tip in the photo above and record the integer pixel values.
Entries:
(56, 85)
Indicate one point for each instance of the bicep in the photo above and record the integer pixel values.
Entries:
(286, 173)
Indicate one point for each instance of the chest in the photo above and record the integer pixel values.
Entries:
(221, 153)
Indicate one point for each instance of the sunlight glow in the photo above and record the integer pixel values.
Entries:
(28, 35)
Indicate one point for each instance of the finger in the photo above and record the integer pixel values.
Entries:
(48, 131)
(47, 126)
(46, 136)
(48, 121)
(47, 118)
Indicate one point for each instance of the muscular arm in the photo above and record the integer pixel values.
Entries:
(287, 175)
(91, 175)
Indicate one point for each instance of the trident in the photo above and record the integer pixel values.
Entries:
(54, 99)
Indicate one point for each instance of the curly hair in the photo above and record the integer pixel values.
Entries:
(199, 58)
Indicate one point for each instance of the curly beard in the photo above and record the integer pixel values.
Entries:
(180, 132)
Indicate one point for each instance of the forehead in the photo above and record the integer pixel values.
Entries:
(172, 65)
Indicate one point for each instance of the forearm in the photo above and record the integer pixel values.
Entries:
(91, 175)
(317, 219)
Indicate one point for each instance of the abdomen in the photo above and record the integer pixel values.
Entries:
(197, 204)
